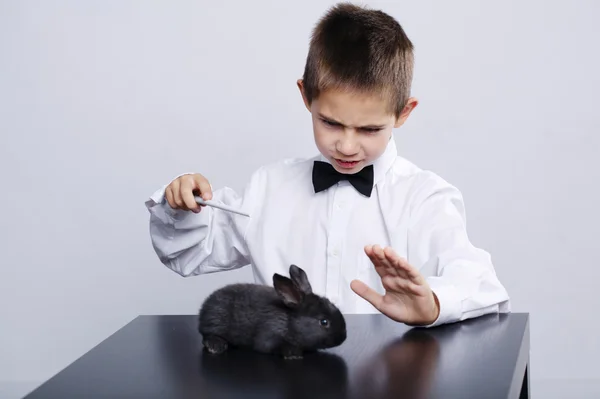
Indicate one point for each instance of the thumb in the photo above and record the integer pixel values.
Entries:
(367, 293)
(203, 186)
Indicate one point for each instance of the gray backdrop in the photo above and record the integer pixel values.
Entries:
(102, 102)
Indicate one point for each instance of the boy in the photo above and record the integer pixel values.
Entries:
(373, 231)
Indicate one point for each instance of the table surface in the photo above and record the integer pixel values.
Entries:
(162, 357)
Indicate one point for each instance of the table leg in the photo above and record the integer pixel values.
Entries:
(525, 387)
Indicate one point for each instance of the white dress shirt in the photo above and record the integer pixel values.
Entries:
(417, 213)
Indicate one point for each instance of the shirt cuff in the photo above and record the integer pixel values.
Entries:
(158, 199)
(449, 299)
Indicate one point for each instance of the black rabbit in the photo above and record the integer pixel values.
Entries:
(287, 319)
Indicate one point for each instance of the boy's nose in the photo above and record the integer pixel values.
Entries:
(347, 147)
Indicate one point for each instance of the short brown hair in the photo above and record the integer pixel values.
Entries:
(356, 48)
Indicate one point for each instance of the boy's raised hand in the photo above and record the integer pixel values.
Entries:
(408, 298)
(180, 193)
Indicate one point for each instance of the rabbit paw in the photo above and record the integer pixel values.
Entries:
(291, 353)
(215, 345)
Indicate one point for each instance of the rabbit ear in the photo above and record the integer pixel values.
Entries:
(287, 290)
(300, 279)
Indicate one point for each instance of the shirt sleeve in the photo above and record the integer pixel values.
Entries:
(209, 241)
(463, 277)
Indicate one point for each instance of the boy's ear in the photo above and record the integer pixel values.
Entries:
(300, 84)
(408, 108)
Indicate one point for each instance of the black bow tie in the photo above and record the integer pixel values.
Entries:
(324, 176)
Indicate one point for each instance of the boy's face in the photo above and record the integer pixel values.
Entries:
(352, 129)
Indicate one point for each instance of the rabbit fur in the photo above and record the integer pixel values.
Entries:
(287, 319)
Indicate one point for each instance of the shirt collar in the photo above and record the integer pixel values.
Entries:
(385, 161)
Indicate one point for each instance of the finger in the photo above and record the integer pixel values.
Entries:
(367, 293)
(401, 285)
(170, 200)
(392, 259)
(204, 186)
(379, 267)
(383, 259)
(402, 266)
(177, 195)
(395, 283)
(175, 186)
(378, 257)
(187, 195)
(188, 199)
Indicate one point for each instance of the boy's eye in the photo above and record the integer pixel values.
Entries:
(371, 130)
(335, 124)
(330, 123)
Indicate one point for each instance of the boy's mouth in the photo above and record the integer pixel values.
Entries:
(346, 164)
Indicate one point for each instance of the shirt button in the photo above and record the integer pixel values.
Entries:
(335, 252)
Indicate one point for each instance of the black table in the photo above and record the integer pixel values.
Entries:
(162, 357)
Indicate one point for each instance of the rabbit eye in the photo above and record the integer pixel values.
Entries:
(324, 322)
